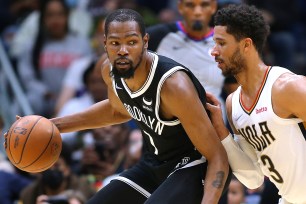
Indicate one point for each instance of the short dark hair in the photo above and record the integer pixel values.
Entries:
(124, 15)
(244, 21)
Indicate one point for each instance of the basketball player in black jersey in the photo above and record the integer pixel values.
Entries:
(183, 159)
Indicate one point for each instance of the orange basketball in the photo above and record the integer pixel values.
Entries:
(33, 143)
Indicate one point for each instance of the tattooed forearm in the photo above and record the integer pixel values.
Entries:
(217, 183)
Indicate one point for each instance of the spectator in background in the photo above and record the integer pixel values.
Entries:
(66, 197)
(12, 13)
(165, 11)
(56, 180)
(72, 82)
(14, 10)
(134, 149)
(43, 67)
(12, 182)
(11, 185)
(236, 192)
(106, 155)
(133, 154)
(29, 28)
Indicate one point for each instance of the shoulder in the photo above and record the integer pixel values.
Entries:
(289, 88)
(289, 83)
(178, 83)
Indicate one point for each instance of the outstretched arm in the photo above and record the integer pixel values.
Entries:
(241, 156)
(177, 94)
(107, 112)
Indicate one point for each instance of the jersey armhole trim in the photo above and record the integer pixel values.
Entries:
(160, 84)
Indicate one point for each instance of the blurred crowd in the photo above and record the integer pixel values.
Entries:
(54, 46)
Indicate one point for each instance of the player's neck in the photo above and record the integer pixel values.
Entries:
(252, 78)
(141, 73)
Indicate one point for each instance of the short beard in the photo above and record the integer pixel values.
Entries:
(237, 64)
(197, 26)
(129, 73)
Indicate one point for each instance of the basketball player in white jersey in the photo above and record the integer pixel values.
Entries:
(266, 112)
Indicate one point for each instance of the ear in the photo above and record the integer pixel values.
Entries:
(146, 40)
(247, 44)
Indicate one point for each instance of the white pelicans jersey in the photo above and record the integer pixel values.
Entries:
(279, 143)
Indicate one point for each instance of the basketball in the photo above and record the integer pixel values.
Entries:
(33, 143)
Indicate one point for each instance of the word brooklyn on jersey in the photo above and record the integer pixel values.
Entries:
(138, 115)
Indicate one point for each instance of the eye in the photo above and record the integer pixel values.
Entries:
(114, 43)
(221, 43)
(132, 42)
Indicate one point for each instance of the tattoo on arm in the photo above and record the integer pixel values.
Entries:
(217, 183)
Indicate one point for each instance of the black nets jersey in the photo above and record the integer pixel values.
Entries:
(164, 140)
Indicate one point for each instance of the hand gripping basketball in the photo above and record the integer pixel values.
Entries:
(33, 143)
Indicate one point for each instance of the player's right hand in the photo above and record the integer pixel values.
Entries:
(214, 107)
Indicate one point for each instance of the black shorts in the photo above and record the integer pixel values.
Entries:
(179, 181)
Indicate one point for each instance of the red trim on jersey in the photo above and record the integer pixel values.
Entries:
(183, 29)
(249, 110)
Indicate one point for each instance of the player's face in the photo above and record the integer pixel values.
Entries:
(227, 52)
(197, 13)
(125, 47)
